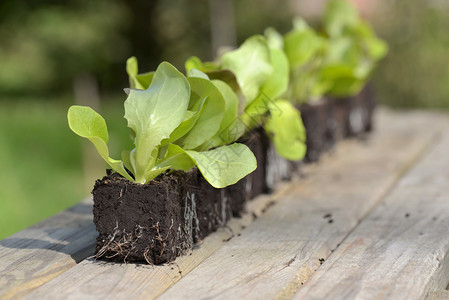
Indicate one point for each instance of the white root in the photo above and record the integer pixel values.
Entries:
(190, 216)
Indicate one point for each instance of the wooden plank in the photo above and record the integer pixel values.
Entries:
(438, 295)
(91, 279)
(280, 250)
(263, 255)
(400, 251)
(98, 279)
(36, 255)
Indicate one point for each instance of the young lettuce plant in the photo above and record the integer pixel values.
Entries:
(157, 115)
(261, 73)
(305, 51)
(353, 52)
(212, 113)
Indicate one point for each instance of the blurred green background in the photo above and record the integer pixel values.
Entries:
(55, 54)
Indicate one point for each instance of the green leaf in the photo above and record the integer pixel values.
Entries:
(374, 47)
(277, 83)
(342, 80)
(286, 130)
(305, 51)
(87, 123)
(193, 62)
(227, 132)
(339, 15)
(144, 80)
(197, 73)
(274, 38)
(211, 116)
(196, 63)
(229, 78)
(127, 161)
(176, 158)
(344, 50)
(131, 67)
(301, 46)
(225, 165)
(255, 112)
(137, 81)
(377, 48)
(154, 113)
(186, 125)
(299, 24)
(153, 173)
(274, 87)
(251, 65)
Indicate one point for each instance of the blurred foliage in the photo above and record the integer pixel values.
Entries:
(44, 159)
(43, 162)
(254, 16)
(416, 71)
(46, 44)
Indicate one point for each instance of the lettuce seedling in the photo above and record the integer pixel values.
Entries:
(353, 52)
(305, 50)
(212, 113)
(169, 130)
(262, 76)
(286, 129)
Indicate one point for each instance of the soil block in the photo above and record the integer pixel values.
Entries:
(278, 168)
(320, 124)
(354, 114)
(208, 208)
(257, 142)
(140, 223)
(158, 221)
(341, 115)
(368, 101)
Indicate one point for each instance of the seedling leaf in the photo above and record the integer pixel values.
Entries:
(87, 123)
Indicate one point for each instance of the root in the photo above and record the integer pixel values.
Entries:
(105, 247)
(121, 243)
(145, 255)
(248, 184)
(190, 217)
(224, 203)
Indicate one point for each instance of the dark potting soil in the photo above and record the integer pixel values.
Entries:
(341, 115)
(320, 124)
(354, 114)
(158, 221)
(278, 169)
(368, 101)
(208, 208)
(138, 223)
(237, 196)
(257, 142)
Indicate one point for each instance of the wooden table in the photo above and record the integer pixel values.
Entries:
(370, 221)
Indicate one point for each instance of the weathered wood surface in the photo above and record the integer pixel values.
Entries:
(100, 280)
(438, 295)
(279, 251)
(399, 251)
(348, 199)
(36, 255)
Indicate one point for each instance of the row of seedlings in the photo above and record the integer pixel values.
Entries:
(227, 131)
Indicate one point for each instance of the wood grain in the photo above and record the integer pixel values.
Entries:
(400, 251)
(36, 255)
(438, 295)
(280, 250)
(98, 279)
